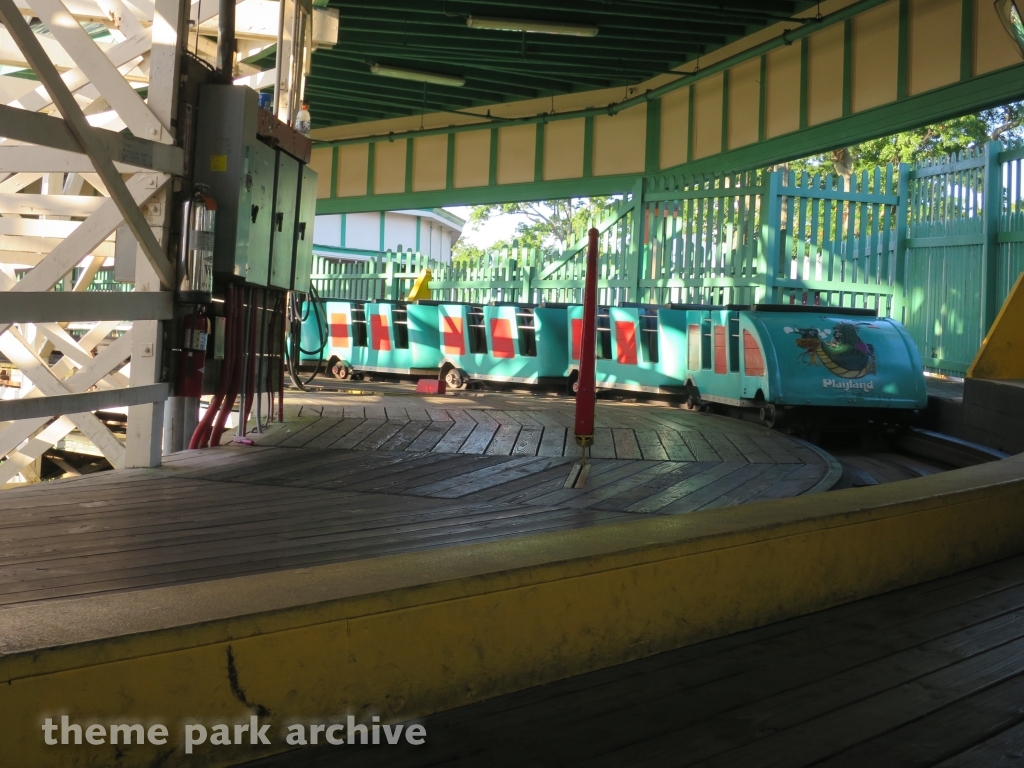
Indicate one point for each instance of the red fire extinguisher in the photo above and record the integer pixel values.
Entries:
(192, 364)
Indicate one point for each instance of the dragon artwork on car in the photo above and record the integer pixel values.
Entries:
(841, 350)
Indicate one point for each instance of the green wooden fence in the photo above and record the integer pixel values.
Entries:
(918, 244)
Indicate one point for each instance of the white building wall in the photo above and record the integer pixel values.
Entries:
(399, 232)
(362, 230)
(327, 230)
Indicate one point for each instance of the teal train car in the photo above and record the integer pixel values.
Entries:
(519, 343)
(380, 337)
(776, 359)
(772, 358)
(637, 348)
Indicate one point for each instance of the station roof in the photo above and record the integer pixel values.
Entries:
(634, 41)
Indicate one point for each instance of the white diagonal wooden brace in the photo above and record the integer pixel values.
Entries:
(35, 447)
(19, 352)
(79, 126)
(119, 55)
(13, 434)
(101, 71)
(90, 233)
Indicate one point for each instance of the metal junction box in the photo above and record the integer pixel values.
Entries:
(304, 230)
(262, 236)
(238, 169)
(286, 198)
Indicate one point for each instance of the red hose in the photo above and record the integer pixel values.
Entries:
(250, 370)
(280, 390)
(271, 346)
(228, 406)
(200, 437)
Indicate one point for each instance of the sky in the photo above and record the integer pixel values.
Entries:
(490, 232)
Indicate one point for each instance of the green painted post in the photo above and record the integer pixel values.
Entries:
(588, 147)
(762, 105)
(334, 171)
(492, 169)
(652, 145)
(899, 296)
(449, 171)
(634, 256)
(408, 165)
(967, 40)
(771, 227)
(903, 51)
(370, 170)
(538, 154)
(992, 207)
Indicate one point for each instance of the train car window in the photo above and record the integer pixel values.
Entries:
(400, 326)
(753, 359)
(705, 344)
(720, 345)
(527, 332)
(358, 325)
(604, 334)
(734, 345)
(693, 347)
(477, 331)
(649, 334)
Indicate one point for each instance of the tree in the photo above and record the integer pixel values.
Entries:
(551, 225)
(1004, 123)
(465, 254)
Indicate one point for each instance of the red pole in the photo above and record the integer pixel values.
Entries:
(585, 390)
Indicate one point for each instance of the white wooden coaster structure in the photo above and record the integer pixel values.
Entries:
(62, 132)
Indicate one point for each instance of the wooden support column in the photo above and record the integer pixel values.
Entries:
(146, 421)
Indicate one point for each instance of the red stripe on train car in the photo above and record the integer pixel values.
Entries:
(379, 338)
(753, 359)
(577, 338)
(340, 336)
(625, 343)
(721, 363)
(502, 344)
(453, 339)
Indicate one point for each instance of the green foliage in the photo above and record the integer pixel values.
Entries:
(550, 225)
(465, 255)
(1005, 123)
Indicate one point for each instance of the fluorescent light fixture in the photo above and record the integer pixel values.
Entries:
(414, 74)
(540, 27)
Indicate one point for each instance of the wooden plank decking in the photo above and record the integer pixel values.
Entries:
(377, 480)
(932, 675)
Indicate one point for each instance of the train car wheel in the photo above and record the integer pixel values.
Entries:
(340, 371)
(693, 398)
(454, 379)
(769, 416)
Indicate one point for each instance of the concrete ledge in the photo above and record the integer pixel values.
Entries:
(412, 634)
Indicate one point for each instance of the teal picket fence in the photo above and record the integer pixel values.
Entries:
(936, 246)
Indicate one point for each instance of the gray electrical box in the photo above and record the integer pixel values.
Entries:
(286, 197)
(304, 230)
(261, 212)
(238, 169)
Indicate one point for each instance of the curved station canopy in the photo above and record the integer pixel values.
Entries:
(403, 57)
(425, 104)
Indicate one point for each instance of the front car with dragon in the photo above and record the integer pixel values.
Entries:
(831, 357)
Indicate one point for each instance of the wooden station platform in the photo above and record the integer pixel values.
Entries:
(353, 476)
(931, 675)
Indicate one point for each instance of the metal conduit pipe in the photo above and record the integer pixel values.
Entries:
(226, 40)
